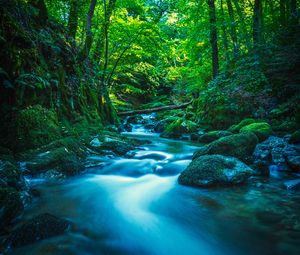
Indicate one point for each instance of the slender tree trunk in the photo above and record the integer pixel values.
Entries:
(213, 38)
(73, 18)
(88, 29)
(257, 23)
(107, 110)
(233, 29)
(224, 34)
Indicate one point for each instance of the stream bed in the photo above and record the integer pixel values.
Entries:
(135, 206)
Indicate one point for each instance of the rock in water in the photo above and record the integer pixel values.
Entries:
(215, 170)
(292, 184)
(278, 152)
(240, 146)
(41, 227)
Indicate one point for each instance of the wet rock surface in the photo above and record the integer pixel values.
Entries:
(240, 146)
(277, 152)
(41, 227)
(215, 170)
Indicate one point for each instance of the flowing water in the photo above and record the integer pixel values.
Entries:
(135, 206)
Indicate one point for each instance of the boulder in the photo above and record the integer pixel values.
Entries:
(11, 176)
(179, 127)
(11, 206)
(95, 142)
(276, 151)
(215, 170)
(240, 146)
(262, 130)
(41, 227)
(295, 138)
(212, 136)
(61, 159)
(236, 128)
(118, 147)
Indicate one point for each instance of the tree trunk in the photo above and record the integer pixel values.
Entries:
(257, 23)
(233, 29)
(73, 18)
(107, 110)
(213, 38)
(156, 109)
(224, 34)
(88, 30)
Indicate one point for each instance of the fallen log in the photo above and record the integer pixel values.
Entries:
(156, 109)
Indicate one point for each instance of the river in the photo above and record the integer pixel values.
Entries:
(135, 206)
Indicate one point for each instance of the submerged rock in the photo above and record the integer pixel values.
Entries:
(240, 146)
(11, 206)
(41, 227)
(215, 170)
(292, 184)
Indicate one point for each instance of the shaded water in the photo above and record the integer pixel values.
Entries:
(135, 206)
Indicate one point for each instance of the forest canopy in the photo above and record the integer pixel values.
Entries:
(92, 59)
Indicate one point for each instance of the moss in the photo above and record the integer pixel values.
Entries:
(262, 130)
(287, 126)
(10, 204)
(10, 175)
(236, 128)
(118, 147)
(211, 170)
(212, 136)
(60, 158)
(240, 146)
(179, 127)
(36, 126)
(295, 138)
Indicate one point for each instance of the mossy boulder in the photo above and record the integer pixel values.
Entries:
(262, 130)
(179, 127)
(41, 227)
(240, 146)
(119, 148)
(287, 126)
(11, 206)
(236, 128)
(61, 159)
(11, 176)
(245, 122)
(36, 126)
(215, 170)
(295, 138)
(212, 136)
